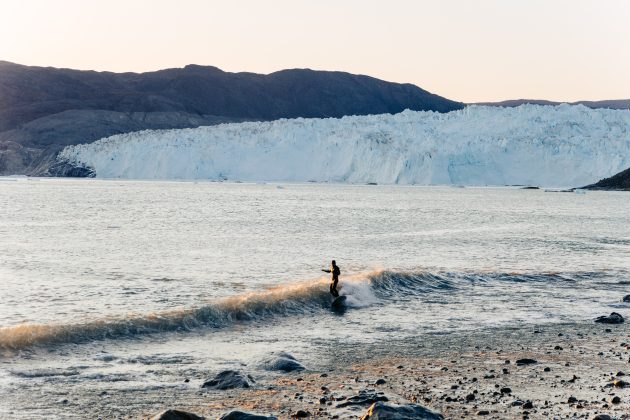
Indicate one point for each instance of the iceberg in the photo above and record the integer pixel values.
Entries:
(551, 146)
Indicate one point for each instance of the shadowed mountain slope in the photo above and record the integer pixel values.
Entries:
(44, 109)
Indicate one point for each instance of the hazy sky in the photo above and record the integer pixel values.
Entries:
(468, 50)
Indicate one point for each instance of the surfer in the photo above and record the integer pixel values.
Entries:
(334, 269)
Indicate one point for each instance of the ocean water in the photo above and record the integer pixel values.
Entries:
(130, 286)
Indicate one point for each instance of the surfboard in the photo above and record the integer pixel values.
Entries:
(339, 302)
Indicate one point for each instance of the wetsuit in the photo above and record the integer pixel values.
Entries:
(334, 280)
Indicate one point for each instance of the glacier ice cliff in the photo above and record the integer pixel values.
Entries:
(553, 146)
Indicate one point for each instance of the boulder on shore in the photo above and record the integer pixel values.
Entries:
(365, 397)
(241, 415)
(176, 415)
(382, 411)
(281, 361)
(229, 379)
(613, 318)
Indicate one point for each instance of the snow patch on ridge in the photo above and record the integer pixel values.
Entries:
(555, 146)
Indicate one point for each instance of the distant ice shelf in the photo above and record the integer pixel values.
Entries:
(551, 146)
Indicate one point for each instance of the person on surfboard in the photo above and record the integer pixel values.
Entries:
(334, 270)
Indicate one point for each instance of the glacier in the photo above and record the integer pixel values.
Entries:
(551, 146)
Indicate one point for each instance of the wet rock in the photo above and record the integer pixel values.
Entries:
(229, 379)
(380, 381)
(300, 414)
(241, 415)
(602, 417)
(613, 318)
(547, 369)
(470, 397)
(365, 398)
(626, 298)
(525, 362)
(528, 405)
(506, 390)
(572, 400)
(281, 361)
(615, 400)
(380, 411)
(483, 412)
(176, 415)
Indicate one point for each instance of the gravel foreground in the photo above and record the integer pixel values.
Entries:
(574, 371)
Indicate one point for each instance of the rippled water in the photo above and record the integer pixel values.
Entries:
(117, 276)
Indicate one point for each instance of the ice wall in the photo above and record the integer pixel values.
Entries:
(555, 146)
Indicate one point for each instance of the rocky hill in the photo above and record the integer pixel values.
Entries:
(43, 110)
(618, 182)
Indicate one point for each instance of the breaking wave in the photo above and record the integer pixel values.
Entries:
(304, 298)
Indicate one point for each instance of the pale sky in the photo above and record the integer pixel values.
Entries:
(467, 50)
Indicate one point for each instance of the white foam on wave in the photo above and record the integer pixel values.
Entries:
(358, 290)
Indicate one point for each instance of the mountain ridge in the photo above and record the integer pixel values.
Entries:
(606, 103)
(43, 109)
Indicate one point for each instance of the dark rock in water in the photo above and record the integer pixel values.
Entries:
(602, 417)
(229, 379)
(365, 397)
(525, 362)
(400, 412)
(240, 415)
(483, 412)
(615, 400)
(281, 361)
(301, 414)
(67, 169)
(626, 298)
(176, 415)
(528, 405)
(380, 381)
(506, 390)
(613, 318)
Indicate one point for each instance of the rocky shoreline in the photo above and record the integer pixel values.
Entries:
(617, 182)
(551, 371)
